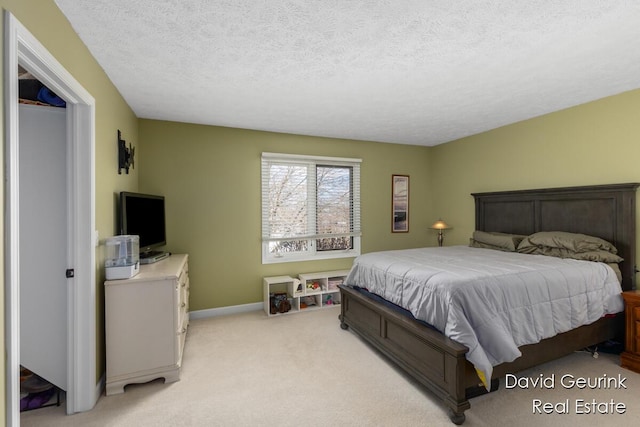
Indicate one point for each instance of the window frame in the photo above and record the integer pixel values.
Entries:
(311, 162)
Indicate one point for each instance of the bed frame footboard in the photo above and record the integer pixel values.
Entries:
(439, 363)
(434, 360)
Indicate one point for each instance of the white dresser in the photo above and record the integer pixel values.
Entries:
(146, 319)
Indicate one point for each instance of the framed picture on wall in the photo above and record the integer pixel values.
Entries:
(399, 203)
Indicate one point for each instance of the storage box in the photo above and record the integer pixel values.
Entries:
(334, 282)
(122, 257)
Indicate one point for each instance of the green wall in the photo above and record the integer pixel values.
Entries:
(210, 177)
(594, 143)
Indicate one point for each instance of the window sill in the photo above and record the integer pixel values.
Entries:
(315, 257)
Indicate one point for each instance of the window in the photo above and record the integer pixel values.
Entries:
(310, 208)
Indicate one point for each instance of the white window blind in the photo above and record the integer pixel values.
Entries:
(310, 207)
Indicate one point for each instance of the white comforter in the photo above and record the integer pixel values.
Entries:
(491, 301)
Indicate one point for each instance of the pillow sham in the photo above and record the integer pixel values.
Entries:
(574, 242)
(598, 256)
(616, 269)
(495, 240)
(477, 244)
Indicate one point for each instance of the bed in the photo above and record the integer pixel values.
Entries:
(439, 363)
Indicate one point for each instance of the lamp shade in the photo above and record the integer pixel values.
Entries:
(440, 225)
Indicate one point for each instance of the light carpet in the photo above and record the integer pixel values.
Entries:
(302, 369)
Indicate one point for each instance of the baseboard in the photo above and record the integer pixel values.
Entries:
(223, 311)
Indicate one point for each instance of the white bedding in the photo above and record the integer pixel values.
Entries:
(490, 301)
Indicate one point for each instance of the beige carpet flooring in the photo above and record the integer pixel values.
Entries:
(303, 370)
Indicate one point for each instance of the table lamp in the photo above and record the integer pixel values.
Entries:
(440, 225)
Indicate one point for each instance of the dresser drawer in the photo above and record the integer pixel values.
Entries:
(184, 277)
(184, 297)
(182, 335)
(636, 322)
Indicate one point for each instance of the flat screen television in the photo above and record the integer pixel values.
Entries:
(143, 215)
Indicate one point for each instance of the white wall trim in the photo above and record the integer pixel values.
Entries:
(24, 49)
(11, 225)
(101, 384)
(224, 311)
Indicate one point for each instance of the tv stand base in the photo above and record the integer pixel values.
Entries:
(153, 257)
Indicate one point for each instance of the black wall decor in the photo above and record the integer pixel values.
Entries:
(125, 155)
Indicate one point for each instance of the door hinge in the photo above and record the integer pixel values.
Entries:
(70, 273)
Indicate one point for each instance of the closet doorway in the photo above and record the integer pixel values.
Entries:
(83, 390)
(43, 245)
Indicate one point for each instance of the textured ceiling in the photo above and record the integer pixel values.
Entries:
(418, 72)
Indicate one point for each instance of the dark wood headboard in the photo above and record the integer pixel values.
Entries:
(605, 211)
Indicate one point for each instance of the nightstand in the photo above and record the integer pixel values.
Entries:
(630, 358)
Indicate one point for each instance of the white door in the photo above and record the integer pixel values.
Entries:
(43, 242)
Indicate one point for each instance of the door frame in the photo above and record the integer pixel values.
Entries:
(22, 48)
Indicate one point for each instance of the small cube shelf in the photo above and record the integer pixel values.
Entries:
(273, 290)
(309, 291)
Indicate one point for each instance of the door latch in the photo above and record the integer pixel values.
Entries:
(70, 273)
